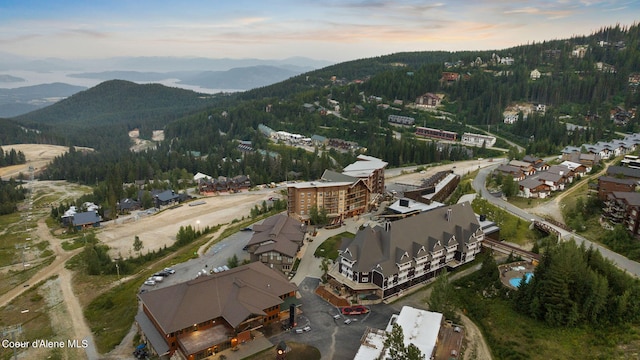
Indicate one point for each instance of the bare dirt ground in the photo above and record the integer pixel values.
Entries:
(156, 231)
(38, 156)
(460, 168)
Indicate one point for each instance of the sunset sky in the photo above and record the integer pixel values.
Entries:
(335, 30)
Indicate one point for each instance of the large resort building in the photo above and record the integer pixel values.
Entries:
(384, 260)
(342, 195)
(197, 318)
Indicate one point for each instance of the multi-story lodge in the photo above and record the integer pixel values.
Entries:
(341, 196)
(384, 260)
(276, 242)
(370, 169)
(197, 318)
(623, 208)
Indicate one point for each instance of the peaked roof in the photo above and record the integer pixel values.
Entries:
(85, 218)
(279, 233)
(329, 175)
(631, 198)
(364, 166)
(624, 171)
(233, 295)
(384, 247)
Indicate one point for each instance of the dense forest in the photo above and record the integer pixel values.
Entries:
(110, 110)
(11, 193)
(11, 157)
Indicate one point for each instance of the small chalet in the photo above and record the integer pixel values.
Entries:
(513, 171)
(534, 188)
(526, 167)
(449, 77)
(85, 220)
(555, 181)
(429, 100)
(567, 174)
(127, 205)
(538, 163)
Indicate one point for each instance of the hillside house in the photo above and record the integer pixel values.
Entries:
(533, 188)
(479, 140)
(538, 163)
(449, 77)
(510, 117)
(428, 100)
(514, 171)
(535, 74)
(527, 168)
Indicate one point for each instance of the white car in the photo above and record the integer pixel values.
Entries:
(170, 270)
(150, 282)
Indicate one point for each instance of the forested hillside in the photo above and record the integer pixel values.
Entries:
(101, 116)
(583, 81)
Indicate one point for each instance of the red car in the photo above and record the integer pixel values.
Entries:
(355, 310)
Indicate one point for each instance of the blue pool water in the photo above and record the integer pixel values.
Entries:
(515, 282)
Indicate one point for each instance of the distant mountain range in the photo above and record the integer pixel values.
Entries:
(9, 62)
(244, 78)
(22, 100)
(200, 74)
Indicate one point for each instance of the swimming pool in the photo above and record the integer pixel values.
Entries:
(515, 282)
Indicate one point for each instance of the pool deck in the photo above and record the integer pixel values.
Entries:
(514, 270)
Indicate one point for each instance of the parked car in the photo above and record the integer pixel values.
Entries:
(161, 273)
(347, 321)
(169, 270)
(355, 310)
(150, 282)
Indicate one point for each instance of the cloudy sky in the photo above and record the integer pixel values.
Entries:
(335, 30)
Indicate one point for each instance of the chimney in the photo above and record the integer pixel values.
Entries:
(449, 215)
(292, 315)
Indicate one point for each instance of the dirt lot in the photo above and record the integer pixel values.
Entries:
(38, 156)
(156, 231)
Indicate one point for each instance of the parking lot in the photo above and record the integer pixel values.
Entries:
(334, 338)
(215, 257)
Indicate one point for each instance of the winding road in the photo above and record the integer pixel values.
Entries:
(622, 262)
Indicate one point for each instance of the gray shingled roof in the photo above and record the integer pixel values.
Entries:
(85, 218)
(329, 175)
(280, 233)
(618, 180)
(624, 171)
(233, 295)
(383, 248)
(632, 198)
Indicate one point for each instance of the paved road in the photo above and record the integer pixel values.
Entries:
(622, 262)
